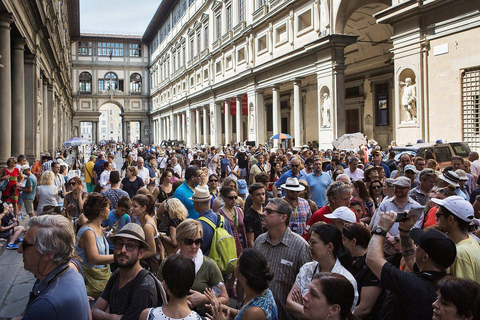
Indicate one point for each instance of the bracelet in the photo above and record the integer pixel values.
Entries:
(403, 230)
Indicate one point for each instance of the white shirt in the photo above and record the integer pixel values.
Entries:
(177, 169)
(355, 175)
(475, 168)
(104, 177)
(144, 174)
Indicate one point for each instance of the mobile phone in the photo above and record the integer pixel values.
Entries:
(401, 216)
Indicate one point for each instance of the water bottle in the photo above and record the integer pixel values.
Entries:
(217, 289)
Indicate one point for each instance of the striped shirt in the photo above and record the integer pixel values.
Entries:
(285, 258)
(300, 215)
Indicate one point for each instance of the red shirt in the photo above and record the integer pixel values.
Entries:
(319, 215)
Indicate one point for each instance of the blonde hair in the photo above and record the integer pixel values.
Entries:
(133, 170)
(47, 178)
(176, 209)
(189, 229)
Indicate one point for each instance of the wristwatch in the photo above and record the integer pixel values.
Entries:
(379, 230)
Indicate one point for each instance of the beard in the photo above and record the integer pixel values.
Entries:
(125, 264)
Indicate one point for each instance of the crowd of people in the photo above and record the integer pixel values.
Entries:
(247, 233)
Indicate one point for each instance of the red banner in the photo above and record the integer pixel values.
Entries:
(245, 105)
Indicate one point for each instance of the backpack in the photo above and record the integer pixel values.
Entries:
(222, 248)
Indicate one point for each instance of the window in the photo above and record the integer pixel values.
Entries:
(229, 18)
(304, 20)
(178, 58)
(260, 3)
(218, 67)
(199, 78)
(85, 48)
(199, 42)
(192, 40)
(135, 83)
(471, 106)
(228, 62)
(281, 34)
(110, 49)
(192, 81)
(218, 24)
(241, 10)
(85, 80)
(134, 50)
(205, 74)
(262, 43)
(111, 113)
(109, 82)
(174, 61)
(241, 55)
(205, 31)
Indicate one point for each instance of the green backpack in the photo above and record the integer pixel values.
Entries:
(222, 248)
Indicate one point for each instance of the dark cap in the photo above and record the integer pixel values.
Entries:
(439, 247)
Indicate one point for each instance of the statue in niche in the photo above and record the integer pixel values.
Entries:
(212, 123)
(252, 118)
(326, 106)
(409, 99)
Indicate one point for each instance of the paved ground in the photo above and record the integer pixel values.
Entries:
(15, 282)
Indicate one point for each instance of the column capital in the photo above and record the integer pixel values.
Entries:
(18, 43)
(5, 20)
(259, 91)
(239, 96)
(298, 79)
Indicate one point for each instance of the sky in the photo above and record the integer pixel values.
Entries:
(124, 17)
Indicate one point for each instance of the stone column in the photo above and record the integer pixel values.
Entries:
(178, 126)
(189, 128)
(260, 136)
(184, 127)
(340, 118)
(51, 110)
(238, 119)
(5, 89)
(297, 101)
(198, 126)
(31, 109)
(45, 116)
(276, 114)
(206, 132)
(18, 97)
(226, 105)
(216, 123)
(173, 130)
(95, 131)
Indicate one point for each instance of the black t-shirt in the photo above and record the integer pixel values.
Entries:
(409, 295)
(242, 160)
(366, 278)
(143, 296)
(253, 223)
(132, 187)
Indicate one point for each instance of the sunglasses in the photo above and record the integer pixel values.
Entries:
(376, 187)
(294, 165)
(25, 245)
(213, 181)
(72, 183)
(270, 211)
(189, 242)
(232, 197)
(129, 246)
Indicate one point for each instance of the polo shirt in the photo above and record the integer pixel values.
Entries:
(285, 258)
(64, 298)
(184, 193)
(31, 181)
(409, 295)
(318, 187)
(289, 174)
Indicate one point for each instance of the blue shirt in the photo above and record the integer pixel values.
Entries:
(224, 164)
(64, 298)
(98, 168)
(31, 181)
(318, 187)
(150, 171)
(208, 231)
(115, 222)
(289, 174)
(184, 193)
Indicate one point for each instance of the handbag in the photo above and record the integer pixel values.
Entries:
(4, 185)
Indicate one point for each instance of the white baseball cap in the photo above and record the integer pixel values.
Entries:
(343, 213)
(458, 206)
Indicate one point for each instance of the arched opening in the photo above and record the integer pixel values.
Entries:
(369, 99)
(110, 122)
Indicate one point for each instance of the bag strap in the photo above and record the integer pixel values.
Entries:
(207, 221)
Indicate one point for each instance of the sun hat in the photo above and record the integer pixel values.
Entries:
(457, 206)
(242, 186)
(439, 247)
(343, 213)
(462, 175)
(450, 177)
(131, 231)
(292, 184)
(93, 157)
(410, 167)
(201, 194)
(242, 149)
(402, 182)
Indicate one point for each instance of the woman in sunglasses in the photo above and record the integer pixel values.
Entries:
(75, 198)
(375, 190)
(207, 275)
(234, 216)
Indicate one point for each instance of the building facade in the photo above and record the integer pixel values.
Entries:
(35, 76)
(234, 70)
(110, 87)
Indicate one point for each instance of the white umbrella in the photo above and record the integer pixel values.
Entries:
(75, 142)
(349, 141)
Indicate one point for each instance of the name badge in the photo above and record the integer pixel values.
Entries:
(286, 262)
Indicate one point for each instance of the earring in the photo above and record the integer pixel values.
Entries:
(328, 315)
(328, 253)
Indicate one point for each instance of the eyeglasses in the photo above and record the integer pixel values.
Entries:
(129, 246)
(270, 211)
(294, 165)
(25, 245)
(213, 181)
(189, 242)
(232, 197)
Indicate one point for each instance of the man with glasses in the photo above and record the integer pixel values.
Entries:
(130, 289)
(428, 179)
(301, 211)
(59, 291)
(201, 201)
(404, 160)
(294, 172)
(377, 161)
(285, 251)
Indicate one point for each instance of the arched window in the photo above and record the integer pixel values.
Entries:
(135, 83)
(85, 80)
(110, 81)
